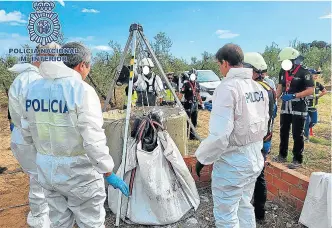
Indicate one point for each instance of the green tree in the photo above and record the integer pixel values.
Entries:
(161, 46)
(6, 77)
(316, 54)
(270, 55)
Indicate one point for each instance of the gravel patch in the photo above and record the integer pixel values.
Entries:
(277, 216)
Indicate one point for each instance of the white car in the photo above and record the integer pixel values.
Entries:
(208, 82)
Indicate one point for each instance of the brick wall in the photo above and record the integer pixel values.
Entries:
(283, 185)
(205, 178)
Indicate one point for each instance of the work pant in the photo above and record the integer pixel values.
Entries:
(38, 216)
(260, 195)
(74, 190)
(85, 205)
(146, 99)
(297, 122)
(233, 182)
(311, 121)
(193, 117)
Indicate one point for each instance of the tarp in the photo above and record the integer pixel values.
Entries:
(316, 212)
(162, 188)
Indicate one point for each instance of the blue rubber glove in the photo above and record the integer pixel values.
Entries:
(11, 126)
(288, 97)
(275, 109)
(266, 147)
(117, 183)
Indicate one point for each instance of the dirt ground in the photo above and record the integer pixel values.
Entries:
(14, 184)
(14, 187)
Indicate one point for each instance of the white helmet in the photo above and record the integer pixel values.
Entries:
(288, 53)
(255, 60)
(146, 62)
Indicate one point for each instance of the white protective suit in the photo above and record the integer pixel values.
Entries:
(25, 153)
(238, 124)
(63, 119)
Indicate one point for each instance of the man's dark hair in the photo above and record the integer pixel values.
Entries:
(231, 53)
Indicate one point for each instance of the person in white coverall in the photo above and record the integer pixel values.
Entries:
(63, 119)
(238, 123)
(24, 152)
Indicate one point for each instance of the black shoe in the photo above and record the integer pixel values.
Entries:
(295, 165)
(259, 214)
(279, 159)
(260, 221)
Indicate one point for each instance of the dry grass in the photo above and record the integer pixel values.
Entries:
(317, 152)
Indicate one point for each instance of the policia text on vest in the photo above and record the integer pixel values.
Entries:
(42, 105)
(252, 97)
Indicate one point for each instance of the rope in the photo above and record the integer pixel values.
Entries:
(10, 207)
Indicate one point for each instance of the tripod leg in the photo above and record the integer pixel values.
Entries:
(168, 83)
(129, 101)
(110, 91)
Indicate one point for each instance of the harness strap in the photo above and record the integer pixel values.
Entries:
(270, 127)
(289, 78)
(268, 88)
(148, 83)
(193, 87)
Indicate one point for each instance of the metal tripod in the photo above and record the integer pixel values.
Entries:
(136, 30)
(136, 33)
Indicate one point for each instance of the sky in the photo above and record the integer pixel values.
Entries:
(194, 27)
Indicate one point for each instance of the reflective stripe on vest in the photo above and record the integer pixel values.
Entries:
(294, 113)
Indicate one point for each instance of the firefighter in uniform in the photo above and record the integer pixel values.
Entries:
(295, 84)
(191, 92)
(255, 61)
(169, 98)
(312, 117)
(149, 87)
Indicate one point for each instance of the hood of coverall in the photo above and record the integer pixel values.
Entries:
(240, 73)
(57, 69)
(21, 67)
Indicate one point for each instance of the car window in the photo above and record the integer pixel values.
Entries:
(207, 76)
